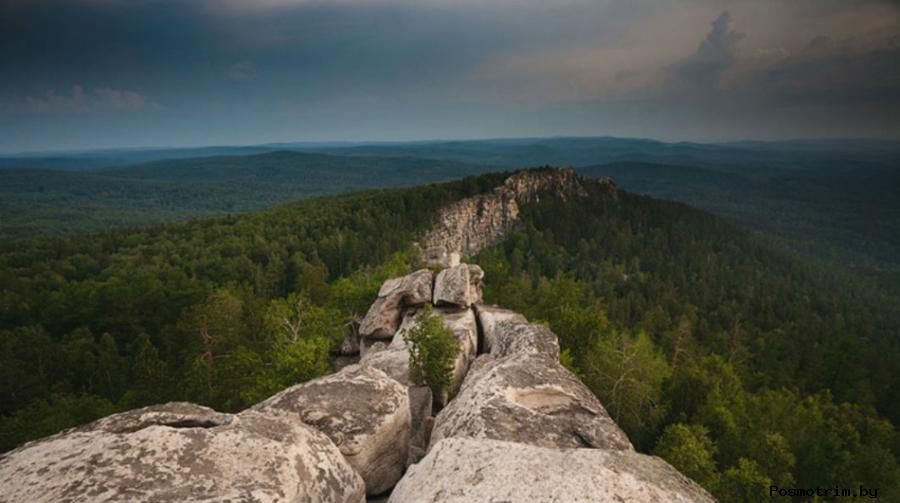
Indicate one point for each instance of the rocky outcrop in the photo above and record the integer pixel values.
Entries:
(489, 317)
(393, 359)
(460, 286)
(363, 411)
(181, 452)
(468, 226)
(461, 470)
(513, 337)
(465, 328)
(530, 399)
(383, 317)
(521, 427)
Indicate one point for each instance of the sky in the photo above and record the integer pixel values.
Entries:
(77, 74)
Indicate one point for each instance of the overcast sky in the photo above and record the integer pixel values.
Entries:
(109, 73)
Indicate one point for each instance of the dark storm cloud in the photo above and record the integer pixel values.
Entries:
(716, 53)
(137, 72)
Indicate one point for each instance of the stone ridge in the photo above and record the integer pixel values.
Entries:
(467, 226)
(367, 430)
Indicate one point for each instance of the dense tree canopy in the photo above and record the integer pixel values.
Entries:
(740, 364)
(222, 312)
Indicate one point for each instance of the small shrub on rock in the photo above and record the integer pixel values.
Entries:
(432, 350)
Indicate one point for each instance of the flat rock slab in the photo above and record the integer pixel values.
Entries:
(179, 453)
(462, 470)
(460, 285)
(529, 399)
(363, 411)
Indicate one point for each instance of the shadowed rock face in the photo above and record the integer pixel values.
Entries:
(181, 452)
(363, 411)
(461, 470)
(529, 399)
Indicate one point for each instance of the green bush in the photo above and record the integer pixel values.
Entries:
(432, 350)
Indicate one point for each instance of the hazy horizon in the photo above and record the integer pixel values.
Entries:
(88, 74)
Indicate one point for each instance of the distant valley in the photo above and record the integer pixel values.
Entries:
(837, 201)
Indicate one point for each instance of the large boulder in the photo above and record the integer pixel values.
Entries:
(461, 470)
(363, 411)
(384, 315)
(490, 317)
(530, 399)
(460, 285)
(392, 361)
(181, 452)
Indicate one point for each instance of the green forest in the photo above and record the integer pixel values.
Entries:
(35, 201)
(740, 363)
(223, 312)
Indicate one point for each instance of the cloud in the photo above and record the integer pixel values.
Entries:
(100, 99)
(715, 54)
(245, 70)
(425, 68)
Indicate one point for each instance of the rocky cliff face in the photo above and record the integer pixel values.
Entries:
(521, 427)
(466, 227)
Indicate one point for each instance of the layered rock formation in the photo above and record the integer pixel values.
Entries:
(466, 227)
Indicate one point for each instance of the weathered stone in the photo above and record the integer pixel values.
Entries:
(174, 414)
(414, 288)
(363, 411)
(465, 328)
(341, 362)
(469, 225)
(369, 346)
(530, 399)
(394, 359)
(460, 470)
(514, 338)
(393, 362)
(459, 286)
(181, 452)
(383, 317)
(488, 318)
(420, 404)
(350, 344)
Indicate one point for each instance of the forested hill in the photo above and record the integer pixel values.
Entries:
(843, 212)
(35, 202)
(739, 363)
